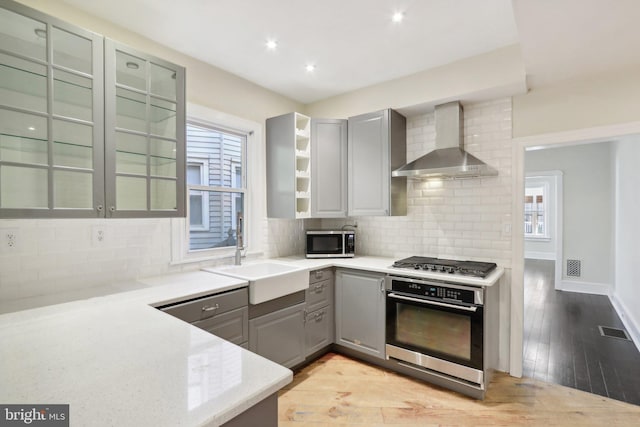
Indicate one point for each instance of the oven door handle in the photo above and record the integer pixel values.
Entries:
(429, 302)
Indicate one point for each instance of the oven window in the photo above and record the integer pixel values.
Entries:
(440, 331)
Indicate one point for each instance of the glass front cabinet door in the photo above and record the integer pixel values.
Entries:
(51, 117)
(145, 134)
(88, 127)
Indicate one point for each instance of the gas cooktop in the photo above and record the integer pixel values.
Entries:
(468, 268)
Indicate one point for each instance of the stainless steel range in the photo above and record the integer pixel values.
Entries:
(437, 325)
(468, 268)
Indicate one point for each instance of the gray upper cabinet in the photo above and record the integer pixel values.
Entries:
(51, 117)
(88, 128)
(328, 168)
(360, 311)
(145, 134)
(377, 146)
(289, 166)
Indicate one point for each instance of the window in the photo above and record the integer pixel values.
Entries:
(535, 211)
(216, 184)
(198, 175)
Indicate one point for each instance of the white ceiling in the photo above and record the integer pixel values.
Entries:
(354, 43)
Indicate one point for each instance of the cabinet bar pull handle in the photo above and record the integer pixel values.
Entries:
(209, 308)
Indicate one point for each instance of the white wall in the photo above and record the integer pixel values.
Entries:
(484, 77)
(589, 101)
(587, 209)
(626, 292)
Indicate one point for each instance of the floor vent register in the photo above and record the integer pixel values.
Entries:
(607, 331)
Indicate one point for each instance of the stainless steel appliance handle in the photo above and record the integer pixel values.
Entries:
(441, 304)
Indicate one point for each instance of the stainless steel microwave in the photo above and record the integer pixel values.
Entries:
(331, 244)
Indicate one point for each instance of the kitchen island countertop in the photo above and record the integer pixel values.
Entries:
(116, 360)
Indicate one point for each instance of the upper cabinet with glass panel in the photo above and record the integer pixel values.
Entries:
(88, 127)
(51, 117)
(145, 117)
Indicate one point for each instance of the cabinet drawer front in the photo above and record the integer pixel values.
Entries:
(319, 295)
(320, 275)
(319, 330)
(232, 326)
(203, 308)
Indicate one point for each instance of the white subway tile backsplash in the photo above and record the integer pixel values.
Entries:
(458, 218)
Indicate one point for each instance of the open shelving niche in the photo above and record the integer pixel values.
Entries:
(303, 166)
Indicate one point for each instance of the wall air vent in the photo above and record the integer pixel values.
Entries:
(574, 267)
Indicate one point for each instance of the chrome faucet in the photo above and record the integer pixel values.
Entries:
(239, 243)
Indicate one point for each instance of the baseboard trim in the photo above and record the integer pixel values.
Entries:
(585, 287)
(630, 324)
(549, 256)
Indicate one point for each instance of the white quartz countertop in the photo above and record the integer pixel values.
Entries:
(384, 265)
(116, 360)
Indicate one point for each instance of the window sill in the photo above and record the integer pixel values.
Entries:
(537, 239)
(215, 257)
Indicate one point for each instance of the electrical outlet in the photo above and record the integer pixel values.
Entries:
(506, 229)
(10, 239)
(98, 235)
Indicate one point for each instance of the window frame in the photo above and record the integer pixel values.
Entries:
(534, 183)
(255, 188)
(203, 163)
(209, 189)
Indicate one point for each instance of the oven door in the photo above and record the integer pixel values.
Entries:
(437, 335)
(325, 244)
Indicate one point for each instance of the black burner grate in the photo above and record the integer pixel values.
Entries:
(470, 268)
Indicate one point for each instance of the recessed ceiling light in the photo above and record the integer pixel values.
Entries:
(132, 65)
(397, 17)
(31, 128)
(310, 68)
(271, 44)
(40, 32)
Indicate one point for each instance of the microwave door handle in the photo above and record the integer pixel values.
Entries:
(429, 302)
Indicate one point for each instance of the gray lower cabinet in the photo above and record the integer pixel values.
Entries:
(360, 311)
(232, 326)
(319, 322)
(319, 328)
(280, 335)
(225, 315)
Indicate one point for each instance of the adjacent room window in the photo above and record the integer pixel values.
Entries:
(535, 211)
(216, 184)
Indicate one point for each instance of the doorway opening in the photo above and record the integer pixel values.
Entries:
(564, 308)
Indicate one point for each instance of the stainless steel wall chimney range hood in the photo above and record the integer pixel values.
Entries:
(448, 160)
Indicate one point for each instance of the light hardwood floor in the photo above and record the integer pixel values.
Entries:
(338, 391)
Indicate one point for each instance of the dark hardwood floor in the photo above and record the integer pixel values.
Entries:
(562, 342)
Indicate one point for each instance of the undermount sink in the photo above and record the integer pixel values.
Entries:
(267, 280)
